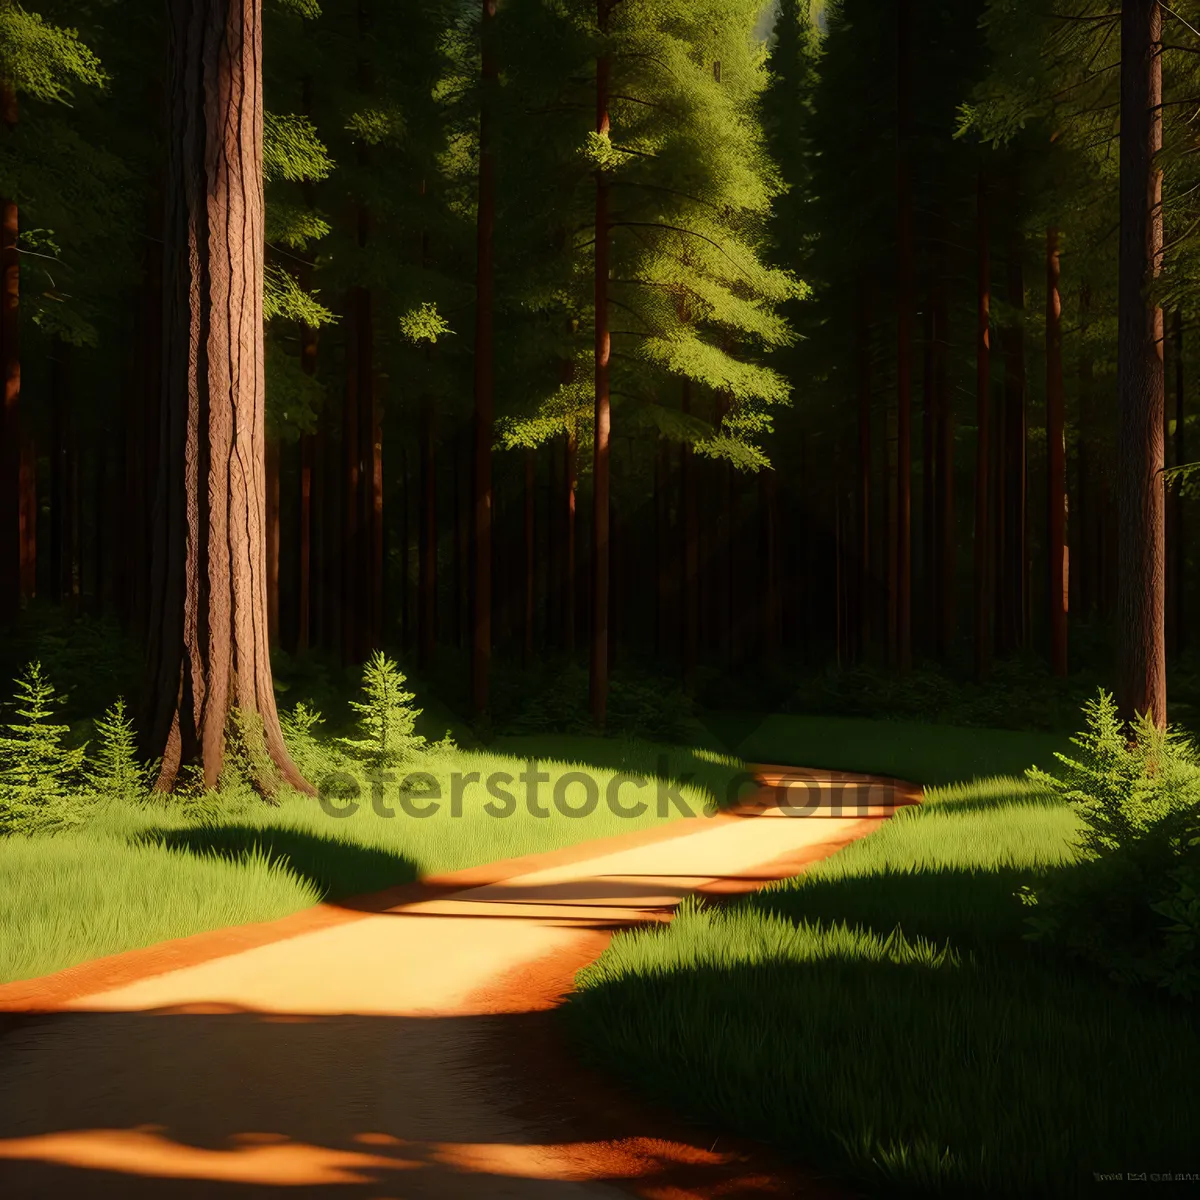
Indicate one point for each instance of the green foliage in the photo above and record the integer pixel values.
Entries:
(424, 324)
(1130, 904)
(115, 771)
(42, 60)
(386, 717)
(292, 150)
(299, 725)
(38, 772)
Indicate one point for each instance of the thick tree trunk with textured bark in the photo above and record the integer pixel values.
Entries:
(598, 674)
(1056, 465)
(481, 591)
(10, 371)
(983, 417)
(208, 645)
(1141, 652)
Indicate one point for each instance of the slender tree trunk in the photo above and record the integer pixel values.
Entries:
(530, 554)
(304, 613)
(983, 417)
(372, 460)
(662, 548)
(427, 596)
(1141, 658)
(598, 681)
(928, 476)
(481, 623)
(772, 607)
(1082, 528)
(351, 580)
(1176, 543)
(947, 588)
(10, 368)
(904, 311)
(690, 584)
(29, 520)
(1010, 535)
(866, 600)
(1056, 464)
(570, 590)
(208, 649)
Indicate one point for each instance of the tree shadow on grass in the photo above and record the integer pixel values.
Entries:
(338, 869)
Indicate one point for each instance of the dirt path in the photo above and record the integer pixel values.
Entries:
(400, 1048)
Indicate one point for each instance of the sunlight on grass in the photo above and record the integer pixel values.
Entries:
(138, 875)
(882, 1015)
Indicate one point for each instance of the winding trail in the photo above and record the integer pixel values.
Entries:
(400, 1045)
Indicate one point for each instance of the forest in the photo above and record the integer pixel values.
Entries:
(755, 344)
(741, 400)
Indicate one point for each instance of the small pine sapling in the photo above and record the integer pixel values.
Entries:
(116, 773)
(386, 717)
(37, 770)
(299, 732)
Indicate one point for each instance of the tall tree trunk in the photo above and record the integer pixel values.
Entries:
(372, 499)
(1176, 545)
(29, 520)
(772, 607)
(598, 675)
(1056, 464)
(481, 623)
(208, 646)
(662, 547)
(928, 478)
(62, 476)
(530, 556)
(904, 310)
(11, 544)
(1141, 653)
(304, 573)
(866, 596)
(983, 417)
(690, 583)
(570, 589)
(1082, 528)
(427, 595)
(1011, 534)
(10, 368)
(351, 580)
(947, 587)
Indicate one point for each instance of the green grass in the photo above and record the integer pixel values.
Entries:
(135, 876)
(882, 1017)
(929, 754)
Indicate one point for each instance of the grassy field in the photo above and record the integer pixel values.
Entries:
(133, 876)
(882, 1017)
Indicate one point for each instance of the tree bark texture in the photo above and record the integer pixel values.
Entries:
(208, 645)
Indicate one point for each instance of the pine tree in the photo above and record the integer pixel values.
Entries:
(38, 771)
(386, 717)
(115, 771)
